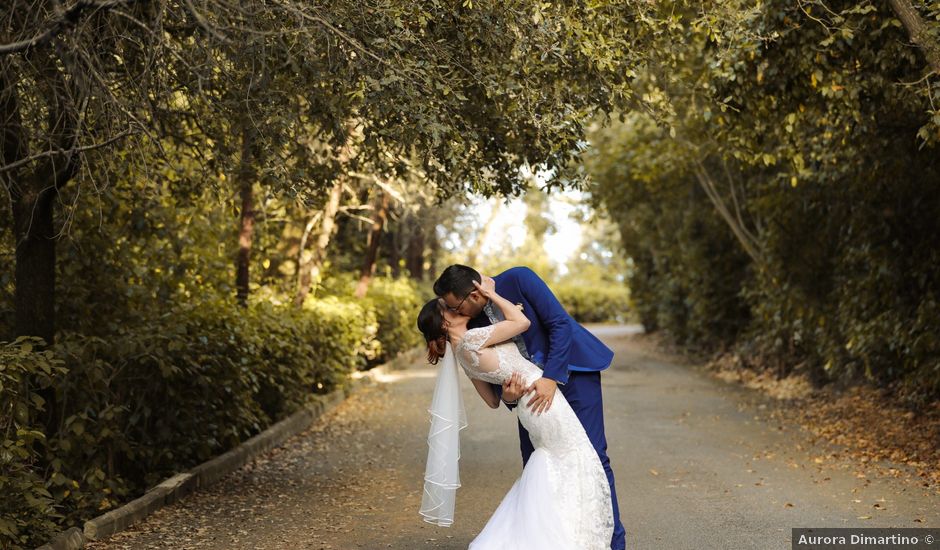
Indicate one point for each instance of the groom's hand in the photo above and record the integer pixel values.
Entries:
(544, 389)
(487, 287)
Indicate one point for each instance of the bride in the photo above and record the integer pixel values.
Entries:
(561, 501)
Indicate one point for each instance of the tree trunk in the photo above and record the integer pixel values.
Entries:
(734, 220)
(34, 298)
(434, 247)
(414, 256)
(303, 260)
(393, 248)
(310, 270)
(33, 195)
(477, 250)
(918, 31)
(246, 180)
(375, 236)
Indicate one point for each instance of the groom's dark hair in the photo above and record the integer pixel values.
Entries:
(458, 280)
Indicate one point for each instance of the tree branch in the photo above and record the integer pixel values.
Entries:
(70, 152)
(705, 180)
(918, 32)
(204, 23)
(64, 19)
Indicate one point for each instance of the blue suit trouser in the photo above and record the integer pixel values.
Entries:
(583, 392)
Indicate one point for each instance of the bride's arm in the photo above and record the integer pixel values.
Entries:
(515, 323)
(485, 389)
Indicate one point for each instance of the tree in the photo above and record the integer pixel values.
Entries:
(472, 92)
(324, 222)
(57, 106)
(803, 131)
(919, 32)
(379, 217)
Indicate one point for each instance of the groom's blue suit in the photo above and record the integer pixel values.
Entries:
(569, 355)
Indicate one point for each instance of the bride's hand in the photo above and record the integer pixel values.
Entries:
(487, 288)
(513, 388)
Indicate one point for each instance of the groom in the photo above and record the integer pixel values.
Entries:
(569, 355)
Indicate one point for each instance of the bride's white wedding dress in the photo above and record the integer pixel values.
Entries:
(561, 501)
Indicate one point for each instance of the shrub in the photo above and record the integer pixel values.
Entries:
(27, 510)
(393, 303)
(312, 350)
(161, 396)
(595, 304)
(396, 303)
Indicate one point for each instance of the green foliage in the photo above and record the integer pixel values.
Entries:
(159, 397)
(821, 122)
(804, 126)
(7, 279)
(391, 305)
(686, 270)
(595, 304)
(27, 513)
(851, 281)
(163, 369)
(396, 303)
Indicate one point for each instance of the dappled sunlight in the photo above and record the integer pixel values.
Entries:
(398, 375)
(604, 330)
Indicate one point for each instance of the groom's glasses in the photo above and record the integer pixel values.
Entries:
(457, 308)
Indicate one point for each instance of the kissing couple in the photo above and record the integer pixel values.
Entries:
(519, 346)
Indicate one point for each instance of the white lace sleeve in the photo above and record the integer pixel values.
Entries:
(468, 351)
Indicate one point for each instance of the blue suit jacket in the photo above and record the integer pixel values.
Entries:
(554, 340)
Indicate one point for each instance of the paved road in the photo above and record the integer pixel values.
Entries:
(699, 464)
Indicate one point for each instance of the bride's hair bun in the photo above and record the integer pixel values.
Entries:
(437, 349)
(431, 325)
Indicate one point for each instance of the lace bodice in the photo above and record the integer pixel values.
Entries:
(470, 347)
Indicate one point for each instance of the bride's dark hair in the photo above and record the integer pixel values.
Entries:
(431, 325)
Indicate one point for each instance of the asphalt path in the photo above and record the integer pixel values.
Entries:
(699, 463)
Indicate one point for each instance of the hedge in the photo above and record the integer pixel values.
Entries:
(161, 396)
(595, 304)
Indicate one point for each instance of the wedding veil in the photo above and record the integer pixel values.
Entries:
(442, 476)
